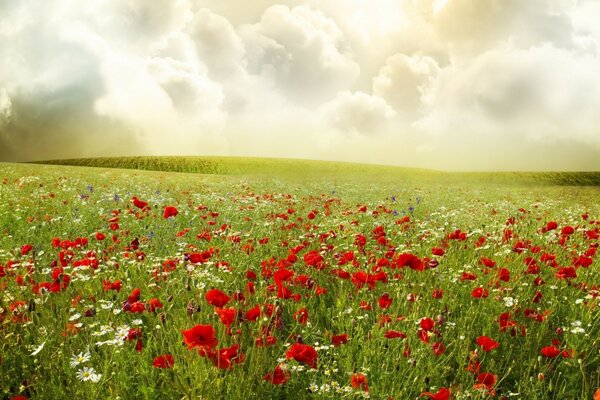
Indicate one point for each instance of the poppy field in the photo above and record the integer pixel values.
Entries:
(126, 284)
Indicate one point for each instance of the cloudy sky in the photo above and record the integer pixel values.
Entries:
(445, 84)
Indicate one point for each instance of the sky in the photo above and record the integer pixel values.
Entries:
(445, 84)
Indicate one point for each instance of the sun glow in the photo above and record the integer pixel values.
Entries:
(438, 5)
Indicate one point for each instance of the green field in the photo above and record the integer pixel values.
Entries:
(291, 168)
(414, 266)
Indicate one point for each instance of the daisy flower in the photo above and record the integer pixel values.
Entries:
(80, 359)
(88, 374)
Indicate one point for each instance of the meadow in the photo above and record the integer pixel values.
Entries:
(286, 279)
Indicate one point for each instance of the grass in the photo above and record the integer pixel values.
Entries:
(259, 222)
(291, 168)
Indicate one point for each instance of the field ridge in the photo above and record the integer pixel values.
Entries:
(214, 165)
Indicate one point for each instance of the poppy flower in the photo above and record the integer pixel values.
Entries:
(438, 348)
(226, 315)
(217, 298)
(566, 273)
(467, 276)
(504, 275)
(487, 344)
(385, 301)
(359, 381)
(438, 251)
(224, 358)
(170, 211)
(164, 361)
(139, 203)
(442, 394)
(301, 316)
(134, 296)
(338, 340)
(488, 262)
(479, 293)
(486, 381)
(278, 377)
(26, 249)
(550, 351)
(303, 353)
(567, 230)
(427, 324)
(253, 314)
(154, 304)
(200, 336)
(394, 335)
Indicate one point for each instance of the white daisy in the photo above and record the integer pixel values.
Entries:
(88, 374)
(80, 359)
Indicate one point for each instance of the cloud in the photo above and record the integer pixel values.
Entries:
(5, 106)
(474, 25)
(357, 113)
(445, 80)
(511, 100)
(302, 51)
(218, 45)
(404, 82)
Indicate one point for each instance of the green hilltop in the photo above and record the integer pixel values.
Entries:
(314, 170)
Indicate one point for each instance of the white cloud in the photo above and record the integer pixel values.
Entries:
(404, 83)
(302, 78)
(303, 51)
(357, 113)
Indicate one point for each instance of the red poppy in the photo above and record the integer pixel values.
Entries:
(303, 353)
(278, 377)
(217, 298)
(359, 381)
(385, 301)
(253, 314)
(200, 336)
(164, 361)
(139, 203)
(567, 230)
(504, 275)
(26, 249)
(550, 226)
(224, 358)
(410, 260)
(226, 315)
(438, 251)
(170, 211)
(566, 273)
(467, 276)
(550, 351)
(487, 344)
(479, 293)
(438, 348)
(154, 304)
(394, 335)
(134, 296)
(301, 316)
(427, 324)
(339, 339)
(487, 381)
(488, 262)
(442, 394)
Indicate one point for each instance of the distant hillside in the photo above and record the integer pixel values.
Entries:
(327, 169)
